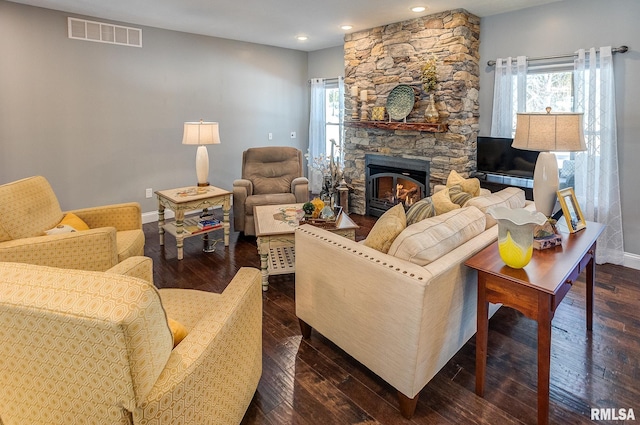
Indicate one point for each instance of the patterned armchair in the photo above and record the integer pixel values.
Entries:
(29, 207)
(95, 347)
(270, 176)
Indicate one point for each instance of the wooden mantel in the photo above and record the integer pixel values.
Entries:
(398, 125)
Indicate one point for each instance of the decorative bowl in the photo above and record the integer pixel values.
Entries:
(400, 102)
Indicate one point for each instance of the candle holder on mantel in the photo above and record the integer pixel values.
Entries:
(354, 103)
(364, 110)
(354, 108)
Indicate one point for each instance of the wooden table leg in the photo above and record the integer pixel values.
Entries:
(591, 272)
(161, 223)
(263, 250)
(180, 234)
(481, 335)
(545, 315)
(225, 220)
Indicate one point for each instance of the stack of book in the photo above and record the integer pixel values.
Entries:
(208, 224)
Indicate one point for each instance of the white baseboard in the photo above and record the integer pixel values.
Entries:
(631, 261)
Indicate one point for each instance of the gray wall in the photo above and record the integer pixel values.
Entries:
(103, 122)
(564, 27)
(327, 63)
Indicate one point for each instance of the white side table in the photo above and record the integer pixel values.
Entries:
(185, 199)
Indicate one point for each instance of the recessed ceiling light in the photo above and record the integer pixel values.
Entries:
(418, 9)
(346, 27)
(302, 37)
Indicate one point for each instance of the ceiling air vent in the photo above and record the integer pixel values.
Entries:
(81, 29)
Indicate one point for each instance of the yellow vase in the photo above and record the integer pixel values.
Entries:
(319, 205)
(515, 234)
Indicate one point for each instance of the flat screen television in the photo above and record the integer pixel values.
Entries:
(496, 156)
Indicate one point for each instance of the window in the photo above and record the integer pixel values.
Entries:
(550, 86)
(333, 124)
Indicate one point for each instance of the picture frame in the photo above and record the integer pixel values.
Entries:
(571, 210)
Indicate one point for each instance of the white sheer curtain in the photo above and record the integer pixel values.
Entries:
(509, 95)
(317, 132)
(597, 184)
(341, 113)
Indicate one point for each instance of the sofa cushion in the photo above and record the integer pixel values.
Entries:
(429, 239)
(386, 229)
(268, 199)
(471, 186)
(510, 197)
(130, 243)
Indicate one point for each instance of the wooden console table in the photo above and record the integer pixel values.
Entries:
(535, 291)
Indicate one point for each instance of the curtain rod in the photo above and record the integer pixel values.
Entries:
(326, 79)
(621, 49)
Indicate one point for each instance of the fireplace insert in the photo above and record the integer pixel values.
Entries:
(392, 180)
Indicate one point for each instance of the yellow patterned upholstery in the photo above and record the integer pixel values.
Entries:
(29, 207)
(95, 348)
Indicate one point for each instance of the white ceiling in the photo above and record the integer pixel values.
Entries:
(273, 22)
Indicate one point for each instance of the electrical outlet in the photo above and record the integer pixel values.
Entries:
(148, 192)
(293, 134)
(270, 136)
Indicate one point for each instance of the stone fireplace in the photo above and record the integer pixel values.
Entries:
(379, 59)
(392, 181)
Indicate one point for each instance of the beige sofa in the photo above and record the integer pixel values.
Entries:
(29, 208)
(96, 348)
(401, 320)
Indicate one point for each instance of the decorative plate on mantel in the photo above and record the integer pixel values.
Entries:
(400, 102)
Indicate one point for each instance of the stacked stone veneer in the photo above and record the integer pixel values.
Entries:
(379, 59)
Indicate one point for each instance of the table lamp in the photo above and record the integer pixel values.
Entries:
(548, 132)
(201, 134)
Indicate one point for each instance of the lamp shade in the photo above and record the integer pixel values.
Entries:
(546, 133)
(201, 133)
(549, 132)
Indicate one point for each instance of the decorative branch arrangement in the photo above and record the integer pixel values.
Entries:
(429, 75)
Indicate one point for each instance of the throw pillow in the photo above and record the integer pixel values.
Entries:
(420, 210)
(442, 202)
(471, 186)
(459, 196)
(386, 229)
(178, 331)
(70, 223)
(430, 239)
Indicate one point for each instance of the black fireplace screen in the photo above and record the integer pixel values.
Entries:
(393, 180)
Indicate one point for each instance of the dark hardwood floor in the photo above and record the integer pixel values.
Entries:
(313, 381)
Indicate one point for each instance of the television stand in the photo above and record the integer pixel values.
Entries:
(496, 182)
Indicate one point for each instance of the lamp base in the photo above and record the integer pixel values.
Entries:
(545, 183)
(202, 166)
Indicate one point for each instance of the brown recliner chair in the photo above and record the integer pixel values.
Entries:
(270, 176)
